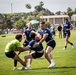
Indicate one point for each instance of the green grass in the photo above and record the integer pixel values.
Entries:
(65, 60)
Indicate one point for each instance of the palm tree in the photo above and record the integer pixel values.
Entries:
(69, 12)
(41, 3)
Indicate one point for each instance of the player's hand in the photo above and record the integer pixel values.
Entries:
(36, 44)
(67, 29)
(19, 52)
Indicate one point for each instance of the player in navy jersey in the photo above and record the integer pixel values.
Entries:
(47, 36)
(28, 39)
(66, 28)
(27, 34)
(38, 50)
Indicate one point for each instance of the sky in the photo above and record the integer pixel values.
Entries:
(19, 5)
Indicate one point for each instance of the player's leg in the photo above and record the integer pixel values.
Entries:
(29, 61)
(28, 56)
(69, 41)
(66, 41)
(49, 57)
(15, 65)
(16, 57)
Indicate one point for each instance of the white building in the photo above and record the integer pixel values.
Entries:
(57, 19)
(73, 17)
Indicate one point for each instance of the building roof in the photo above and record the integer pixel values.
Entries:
(54, 16)
(74, 15)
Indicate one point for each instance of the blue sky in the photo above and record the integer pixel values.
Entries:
(52, 5)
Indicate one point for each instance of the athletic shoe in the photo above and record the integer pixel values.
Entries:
(52, 65)
(15, 68)
(72, 46)
(27, 67)
(64, 48)
(22, 68)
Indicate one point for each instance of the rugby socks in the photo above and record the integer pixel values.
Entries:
(71, 43)
(15, 63)
(65, 47)
(28, 65)
(52, 61)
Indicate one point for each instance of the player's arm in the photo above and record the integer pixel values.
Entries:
(43, 38)
(24, 36)
(35, 32)
(22, 49)
(71, 27)
(37, 35)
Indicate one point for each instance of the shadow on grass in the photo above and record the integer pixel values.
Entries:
(63, 67)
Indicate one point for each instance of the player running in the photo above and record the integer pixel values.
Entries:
(66, 28)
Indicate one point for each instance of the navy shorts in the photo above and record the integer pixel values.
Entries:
(52, 44)
(67, 34)
(37, 55)
(10, 54)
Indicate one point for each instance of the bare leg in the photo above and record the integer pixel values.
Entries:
(66, 40)
(29, 56)
(20, 60)
(48, 56)
(30, 59)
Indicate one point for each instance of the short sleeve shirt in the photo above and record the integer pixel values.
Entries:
(12, 45)
(66, 26)
(27, 33)
(46, 31)
(37, 48)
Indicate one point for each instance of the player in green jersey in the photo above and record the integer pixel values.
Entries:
(13, 46)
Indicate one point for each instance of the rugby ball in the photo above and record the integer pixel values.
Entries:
(28, 6)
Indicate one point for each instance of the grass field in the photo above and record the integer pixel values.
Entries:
(65, 60)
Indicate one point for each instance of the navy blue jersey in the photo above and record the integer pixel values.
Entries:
(27, 33)
(37, 48)
(46, 31)
(66, 26)
(40, 32)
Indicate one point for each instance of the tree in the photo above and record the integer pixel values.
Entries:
(47, 24)
(35, 13)
(58, 12)
(19, 24)
(75, 11)
(75, 23)
(41, 3)
(2, 22)
(29, 18)
(39, 7)
(69, 12)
